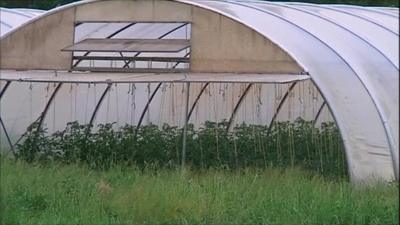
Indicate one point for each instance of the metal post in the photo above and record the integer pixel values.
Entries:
(185, 126)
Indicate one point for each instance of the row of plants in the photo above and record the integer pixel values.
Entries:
(284, 144)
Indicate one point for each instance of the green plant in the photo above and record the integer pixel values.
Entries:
(75, 194)
(284, 144)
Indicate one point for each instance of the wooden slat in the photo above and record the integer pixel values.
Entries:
(130, 70)
(129, 45)
(127, 58)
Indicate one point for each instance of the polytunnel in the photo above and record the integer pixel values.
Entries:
(181, 61)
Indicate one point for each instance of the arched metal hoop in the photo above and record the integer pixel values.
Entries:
(237, 107)
(281, 103)
(99, 103)
(43, 115)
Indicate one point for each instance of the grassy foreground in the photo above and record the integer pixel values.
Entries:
(74, 195)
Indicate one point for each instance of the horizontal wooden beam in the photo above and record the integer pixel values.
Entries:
(125, 58)
(118, 77)
(129, 45)
(130, 70)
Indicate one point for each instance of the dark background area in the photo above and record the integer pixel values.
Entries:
(48, 4)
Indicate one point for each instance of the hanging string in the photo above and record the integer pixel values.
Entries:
(221, 92)
(54, 110)
(181, 117)
(217, 94)
(133, 105)
(172, 89)
(215, 107)
(253, 122)
(209, 115)
(160, 117)
(117, 104)
(87, 103)
(95, 94)
(31, 102)
(301, 100)
(71, 103)
(226, 100)
(197, 119)
(47, 92)
(76, 99)
(258, 138)
(108, 105)
(148, 98)
(128, 102)
(232, 100)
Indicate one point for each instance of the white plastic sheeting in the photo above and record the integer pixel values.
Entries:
(350, 52)
(11, 18)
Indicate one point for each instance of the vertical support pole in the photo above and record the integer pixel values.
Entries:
(184, 138)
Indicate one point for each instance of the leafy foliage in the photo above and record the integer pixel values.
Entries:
(285, 144)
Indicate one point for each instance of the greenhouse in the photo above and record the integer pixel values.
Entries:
(195, 63)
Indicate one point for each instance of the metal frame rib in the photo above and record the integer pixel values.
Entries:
(391, 143)
(237, 107)
(281, 103)
(43, 115)
(151, 99)
(319, 113)
(147, 107)
(7, 136)
(196, 101)
(3, 91)
(99, 103)
(46, 109)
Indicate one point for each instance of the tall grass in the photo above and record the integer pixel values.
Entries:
(284, 144)
(69, 194)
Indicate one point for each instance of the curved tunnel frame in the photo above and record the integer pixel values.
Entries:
(354, 175)
(246, 3)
